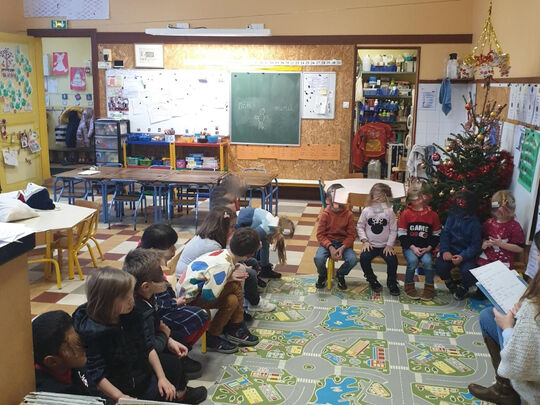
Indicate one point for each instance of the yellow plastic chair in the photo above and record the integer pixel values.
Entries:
(81, 237)
(93, 229)
(45, 256)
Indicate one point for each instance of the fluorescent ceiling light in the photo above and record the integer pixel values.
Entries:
(209, 32)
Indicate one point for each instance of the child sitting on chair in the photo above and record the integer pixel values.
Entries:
(336, 234)
(377, 230)
(460, 244)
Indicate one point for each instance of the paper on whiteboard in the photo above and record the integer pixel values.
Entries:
(501, 283)
(318, 95)
(158, 113)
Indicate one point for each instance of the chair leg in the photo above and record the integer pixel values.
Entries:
(203, 343)
(60, 256)
(77, 264)
(91, 254)
(330, 275)
(98, 248)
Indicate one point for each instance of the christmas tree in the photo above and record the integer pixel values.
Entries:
(471, 160)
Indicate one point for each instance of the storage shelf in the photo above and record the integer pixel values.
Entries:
(201, 145)
(389, 97)
(148, 143)
(371, 72)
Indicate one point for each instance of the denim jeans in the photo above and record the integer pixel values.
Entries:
(412, 264)
(323, 254)
(391, 264)
(443, 268)
(263, 255)
(489, 327)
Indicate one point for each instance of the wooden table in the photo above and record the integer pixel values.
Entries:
(64, 217)
(154, 177)
(266, 184)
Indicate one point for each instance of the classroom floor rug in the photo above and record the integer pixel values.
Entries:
(354, 347)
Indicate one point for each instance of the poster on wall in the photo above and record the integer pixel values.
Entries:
(528, 158)
(60, 63)
(15, 88)
(77, 78)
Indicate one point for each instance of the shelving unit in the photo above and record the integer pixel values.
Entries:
(176, 149)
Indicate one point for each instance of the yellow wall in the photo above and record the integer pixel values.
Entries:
(32, 167)
(516, 25)
(79, 53)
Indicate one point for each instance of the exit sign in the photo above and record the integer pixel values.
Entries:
(59, 24)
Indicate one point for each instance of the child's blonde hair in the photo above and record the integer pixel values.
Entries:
(382, 189)
(279, 247)
(102, 289)
(506, 201)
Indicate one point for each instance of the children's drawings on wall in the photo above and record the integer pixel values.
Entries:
(181, 99)
(319, 93)
(15, 87)
(11, 157)
(528, 158)
(77, 79)
(523, 103)
(60, 63)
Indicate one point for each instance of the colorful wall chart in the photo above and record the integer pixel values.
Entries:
(528, 158)
(15, 87)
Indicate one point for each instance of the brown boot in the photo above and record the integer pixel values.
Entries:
(502, 392)
(410, 291)
(429, 292)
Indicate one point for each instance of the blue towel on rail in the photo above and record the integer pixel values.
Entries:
(445, 96)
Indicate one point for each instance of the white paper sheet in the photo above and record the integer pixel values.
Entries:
(501, 283)
(12, 232)
(88, 172)
(341, 196)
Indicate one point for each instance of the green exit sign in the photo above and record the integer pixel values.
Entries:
(59, 24)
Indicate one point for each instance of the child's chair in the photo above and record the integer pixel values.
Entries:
(94, 219)
(81, 238)
(44, 255)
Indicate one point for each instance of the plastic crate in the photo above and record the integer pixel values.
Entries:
(106, 142)
(132, 161)
(145, 162)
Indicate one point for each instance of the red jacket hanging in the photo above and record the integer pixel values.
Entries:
(370, 143)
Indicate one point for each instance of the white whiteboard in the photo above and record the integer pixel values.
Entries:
(155, 100)
(319, 95)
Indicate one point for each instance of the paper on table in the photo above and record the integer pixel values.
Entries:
(88, 172)
(501, 283)
(341, 196)
(12, 232)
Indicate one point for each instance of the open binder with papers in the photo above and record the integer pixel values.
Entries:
(502, 286)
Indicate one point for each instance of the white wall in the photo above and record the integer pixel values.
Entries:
(432, 126)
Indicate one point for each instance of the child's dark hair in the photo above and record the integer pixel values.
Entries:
(426, 189)
(49, 330)
(144, 265)
(102, 288)
(220, 196)
(468, 198)
(217, 224)
(245, 242)
(332, 189)
(159, 236)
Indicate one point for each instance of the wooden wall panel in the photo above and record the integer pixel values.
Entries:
(314, 132)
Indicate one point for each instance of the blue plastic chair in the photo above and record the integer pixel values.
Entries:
(69, 190)
(125, 192)
(184, 195)
(159, 195)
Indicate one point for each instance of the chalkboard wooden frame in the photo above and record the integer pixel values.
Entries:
(266, 108)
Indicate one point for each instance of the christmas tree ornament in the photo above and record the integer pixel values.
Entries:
(452, 191)
(441, 194)
(449, 148)
(480, 137)
(463, 188)
(435, 157)
(423, 165)
(487, 54)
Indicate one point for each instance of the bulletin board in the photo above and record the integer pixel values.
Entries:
(154, 100)
(23, 138)
(265, 108)
(318, 95)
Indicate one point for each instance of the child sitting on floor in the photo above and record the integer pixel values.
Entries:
(460, 244)
(271, 230)
(335, 233)
(502, 234)
(121, 360)
(214, 280)
(419, 231)
(145, 266)
(377, 230)
(59, 357)
(187, 323)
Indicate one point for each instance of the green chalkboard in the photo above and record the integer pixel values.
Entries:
(265, 108)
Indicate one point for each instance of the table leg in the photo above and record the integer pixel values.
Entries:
(154, 200)
(71, 274)
(104, 201)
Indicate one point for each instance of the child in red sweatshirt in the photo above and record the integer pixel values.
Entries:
(336, 233)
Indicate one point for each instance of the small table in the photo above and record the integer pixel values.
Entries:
(363, 186)
(266, 183)
(65, 216)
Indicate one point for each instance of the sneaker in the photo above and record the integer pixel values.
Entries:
(410, 291)
(267, 272)
(375, 285)
(247, 316)
(461, 293)
(394, 289)
(192, 395)
(321, 282)
(342, 285)
(451, 285)
(218, 344)
(429, 292)
(192, 368)
(262, 306)
(241, 335)
(261, 283)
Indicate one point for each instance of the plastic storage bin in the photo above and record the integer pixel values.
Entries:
(106, 157)
(145, 162)
(132, 161)
(106, 142)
